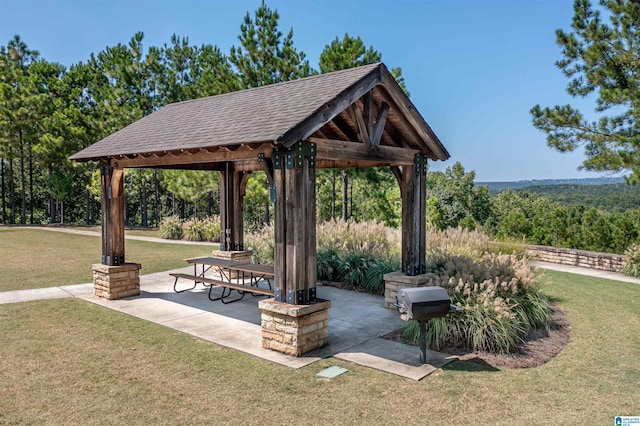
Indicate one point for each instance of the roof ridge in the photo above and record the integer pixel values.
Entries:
(281, 83)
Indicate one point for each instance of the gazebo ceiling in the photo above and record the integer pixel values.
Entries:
(335, 110)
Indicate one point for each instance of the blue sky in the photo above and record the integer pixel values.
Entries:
(474, 67)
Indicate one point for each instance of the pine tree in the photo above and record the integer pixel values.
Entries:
(264, 56)
(600, 58)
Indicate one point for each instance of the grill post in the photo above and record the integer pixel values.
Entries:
(422, 343)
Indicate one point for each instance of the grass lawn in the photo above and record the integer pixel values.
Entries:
(143, 232)
(31, 258)
(66, 361)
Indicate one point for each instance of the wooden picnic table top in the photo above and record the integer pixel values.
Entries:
(266, 270)
(213, 261)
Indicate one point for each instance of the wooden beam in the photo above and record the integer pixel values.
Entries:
(367, 111)
(380, 122)
(348, 164)
(204, 156)
(363, 134)
(406, 108)
(328, 149)
(332, 108)
(398, 174)
(267, 166)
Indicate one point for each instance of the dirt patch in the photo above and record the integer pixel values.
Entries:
(539, 347)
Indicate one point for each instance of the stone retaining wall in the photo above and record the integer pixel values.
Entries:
(584, 258)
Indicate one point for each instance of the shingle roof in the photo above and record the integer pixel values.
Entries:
(282, 112)
(254, 115)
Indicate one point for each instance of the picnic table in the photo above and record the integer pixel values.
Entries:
(224, 269)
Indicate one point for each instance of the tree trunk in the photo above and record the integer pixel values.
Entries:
(345, 183)
(4, 201)
(12, 187)
(143, 203)
(333, 194)
(52, 202)
(87, 217)
(181, 207)
(351, 200)
(30, 185)
(126, 209)
(23, 189)
(156, 207)
(62, 212)
(267, 219)
(210, 204)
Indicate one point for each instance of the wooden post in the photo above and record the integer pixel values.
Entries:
(112, 188)
(414, 235)
(233, 184)
(295, 221)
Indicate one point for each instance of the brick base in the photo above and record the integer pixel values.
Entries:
(243, 256)
(396, 280)
(116, 282)
(294, 329)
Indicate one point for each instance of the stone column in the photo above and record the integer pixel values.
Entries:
(243, 256)
(294, 329)
(116, 282)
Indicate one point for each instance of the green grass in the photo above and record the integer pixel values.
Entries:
(34, 259)
(67, 361)
(144, 232)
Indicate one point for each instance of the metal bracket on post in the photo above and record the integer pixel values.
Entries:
(277, 295)
(420, 163)
(277, 159)
(272, 193)
(312, 294)
(291, 297)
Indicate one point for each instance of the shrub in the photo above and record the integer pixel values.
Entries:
(194, 230)
(371, 239)
(498, 297)
(373, 279)
(260, 241)
(353, 268)
(211, 228)
(328, 265)
(171, 228)
(631, 265)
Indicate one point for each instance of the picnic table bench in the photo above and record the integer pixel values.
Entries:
(224, 268)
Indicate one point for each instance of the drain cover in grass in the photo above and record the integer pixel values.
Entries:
(331, 372)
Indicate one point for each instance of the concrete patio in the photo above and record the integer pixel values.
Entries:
(356, 323)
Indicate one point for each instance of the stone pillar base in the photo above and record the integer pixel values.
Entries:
(116, 282)
(395, 280)
(243, 256)
(294, 329)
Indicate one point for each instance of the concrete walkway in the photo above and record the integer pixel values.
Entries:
(578, 270)
(128, 237)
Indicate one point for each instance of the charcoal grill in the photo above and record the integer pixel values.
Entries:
(422, 304)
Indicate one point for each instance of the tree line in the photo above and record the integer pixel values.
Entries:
(49, 111)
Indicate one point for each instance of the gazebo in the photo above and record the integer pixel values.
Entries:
(352, 118)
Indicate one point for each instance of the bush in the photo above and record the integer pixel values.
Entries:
(498, 297)
(261, 242)
(211, 228)
(373, 279)
(371, 239)
(171, 228)
(194, 230)
(328, 265)
(631, 265)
